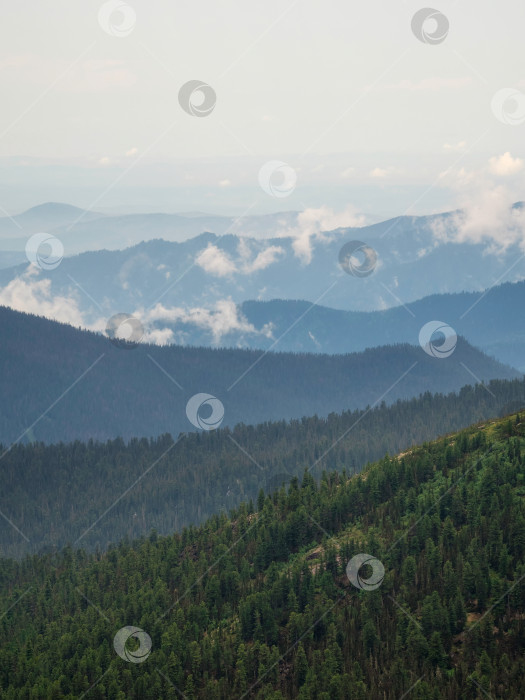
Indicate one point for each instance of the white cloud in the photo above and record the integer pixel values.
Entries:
(312, 225)
(220, 264)
(499, 166)
(215, 261)
(224, 183)
(485, 213)
(223, 318)
(158, 336)
(30, 294)
(33, 296)
(505, 165)
(132, 152)
(266, 258)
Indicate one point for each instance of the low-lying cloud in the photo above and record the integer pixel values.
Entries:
(163, 325)
(32, 295)
(317, 226)
(223, 318)
(219, 263)
(313, 226)
(486, 214)
(505, 165)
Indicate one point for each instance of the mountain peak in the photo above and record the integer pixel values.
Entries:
(52, 208)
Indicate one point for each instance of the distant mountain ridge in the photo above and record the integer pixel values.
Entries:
(193, 313)
(491, 320)
(46, 216)
(194, 261)
(82, 230)
(108, 392)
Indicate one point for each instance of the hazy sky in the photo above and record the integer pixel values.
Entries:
(363, 111)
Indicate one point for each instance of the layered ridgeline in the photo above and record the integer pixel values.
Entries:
(91, 494)
(82, 230)
(60, 383)
(273, 603)
(417, 256)
(486, 319)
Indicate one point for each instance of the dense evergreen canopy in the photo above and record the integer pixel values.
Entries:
(101, 493)
(258, 604)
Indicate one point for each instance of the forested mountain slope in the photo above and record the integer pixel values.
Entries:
(269, 603)
(66, 384)
(98, 493)
(486, 319)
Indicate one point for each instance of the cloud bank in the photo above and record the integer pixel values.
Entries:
(33, 296)
(314, 226)
(162, 325)
(219, 263)
(486, 214)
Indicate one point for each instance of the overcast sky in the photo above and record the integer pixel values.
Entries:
(363, 111)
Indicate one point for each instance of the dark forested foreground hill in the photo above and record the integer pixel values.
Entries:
(279, 601)
(92, 494)
(60, 383)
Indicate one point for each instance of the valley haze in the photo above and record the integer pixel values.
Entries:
(262, 351)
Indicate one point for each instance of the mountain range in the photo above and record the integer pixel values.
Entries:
(492, 320)
(61, 383)
(284, 257)
(81, 230)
